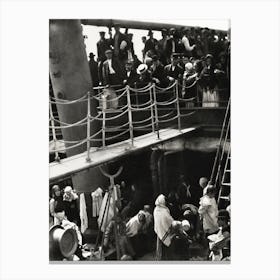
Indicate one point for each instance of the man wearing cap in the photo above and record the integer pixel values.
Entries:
(162, 43)
(112, 69)
(173, 71)
(119, 43)
(102, 45)
(93, 67)
(171, 46)
(158, 74)
(151, 43)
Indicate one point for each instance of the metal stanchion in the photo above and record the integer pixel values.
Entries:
(156, 111)
(103, 127)
(57, 158)
(178, 106)
(152, 110)
(129, 115)
(88, 129)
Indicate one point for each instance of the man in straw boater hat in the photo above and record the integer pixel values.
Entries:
(144, 76)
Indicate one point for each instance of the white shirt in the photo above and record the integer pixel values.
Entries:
(209, 211)
(186, 43)
(111, 69)
(128, 73)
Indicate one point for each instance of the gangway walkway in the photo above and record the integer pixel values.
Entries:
(124, 104)
(111, 153)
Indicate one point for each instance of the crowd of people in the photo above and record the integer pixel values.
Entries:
(184, 218)
(198, 58)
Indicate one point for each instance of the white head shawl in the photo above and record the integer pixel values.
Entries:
(163, 220)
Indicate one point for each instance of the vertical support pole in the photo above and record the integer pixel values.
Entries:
(115, 215)
(129, 115)
(152, 110)
(53, 133)
(156, 111)
(88, 128)
(178, 106)
(103, 127)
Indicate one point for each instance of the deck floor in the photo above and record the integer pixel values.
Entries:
(112, 152)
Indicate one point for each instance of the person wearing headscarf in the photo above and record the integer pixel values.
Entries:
(134, 230)
(208, 211)
(162, 227)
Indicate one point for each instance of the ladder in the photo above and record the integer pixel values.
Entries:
(221, 172)
(224, 192)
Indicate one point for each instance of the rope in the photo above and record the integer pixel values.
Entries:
(144, 104)
(66, 102)
(70, 142)
(118, 135)
(171, 119)
(142, 109)
(117, 127)
(142, 121)
(186, 115)
(112, 118)
(188, 99)
(184, 86)
(167, 103)
(69, 125)
(70, 147)
(165, 89)
(143, 126)
(168, 114)
(147, 87)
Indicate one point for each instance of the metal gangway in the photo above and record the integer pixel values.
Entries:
(159, 125)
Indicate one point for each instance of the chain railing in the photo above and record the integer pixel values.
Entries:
(153, 103)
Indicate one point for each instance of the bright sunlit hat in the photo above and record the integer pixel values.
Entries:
(142, 68)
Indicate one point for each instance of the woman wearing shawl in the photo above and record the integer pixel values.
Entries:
(162, 228)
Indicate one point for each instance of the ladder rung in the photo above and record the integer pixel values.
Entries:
(227, 170)
(226, 184)
(224, 197)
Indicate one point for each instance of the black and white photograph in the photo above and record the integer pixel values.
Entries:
(140, 154)
(139, 140)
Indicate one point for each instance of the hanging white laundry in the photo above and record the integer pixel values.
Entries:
(83, 213)
(96, 201)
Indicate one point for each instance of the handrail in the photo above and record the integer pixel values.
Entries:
(127, 111)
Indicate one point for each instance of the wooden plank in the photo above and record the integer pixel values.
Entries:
(77, 163)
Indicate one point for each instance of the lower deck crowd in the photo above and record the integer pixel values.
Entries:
(185, 224)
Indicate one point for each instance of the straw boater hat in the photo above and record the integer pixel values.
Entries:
(142, 68)
(108, 51)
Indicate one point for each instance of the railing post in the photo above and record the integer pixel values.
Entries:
(156, 111)
(178, 106)
(103, 127)
(152, 110)
(88, 128)
(129, 115)
(57, 158)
